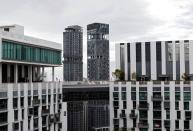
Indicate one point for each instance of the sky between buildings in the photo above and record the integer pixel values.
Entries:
(129, 20)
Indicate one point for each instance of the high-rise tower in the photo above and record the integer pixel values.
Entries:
(72, 44)
(98, 51)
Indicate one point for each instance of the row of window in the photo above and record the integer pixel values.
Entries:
(15, 51)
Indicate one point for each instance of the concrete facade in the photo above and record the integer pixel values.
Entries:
(73, 53)
(98, 52)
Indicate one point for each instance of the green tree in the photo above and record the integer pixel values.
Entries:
(119, 74)
(185, 77)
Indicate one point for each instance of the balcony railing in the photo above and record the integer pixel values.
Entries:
(156, 98)
(122, 115)
(116, 121)
(45, 111)
(167, 123)
(143, 106)
(36, 101)
(133, 115)
(143, 125)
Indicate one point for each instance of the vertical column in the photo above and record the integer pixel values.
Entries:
(38, 73)
(34, 74)
(143, 55)
(191, 56)
(8, 73)
(10, 115)
(42, 73)
(117, 56)
(0, 72)
(52, 73)
(174, 60)
(133, 58)
(153, 61)
(30, 73)
(182, 59)
(163, 53)
(15, 73)
(126, 61)
(22, 71)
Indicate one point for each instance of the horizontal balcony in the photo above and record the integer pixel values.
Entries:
(133, 116)
(30, 112)
(122, 115)
(57, 118)
(188, 117)
(116, 121)
(156, 98)
(143, 106)
(35, 102)
(143, 125)
(167, 124)
(45, 111)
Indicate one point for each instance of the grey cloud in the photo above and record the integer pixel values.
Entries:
(129, 19)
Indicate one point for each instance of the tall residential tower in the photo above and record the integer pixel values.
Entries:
(72, 44)
(98, 51)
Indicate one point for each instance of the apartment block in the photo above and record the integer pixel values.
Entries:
(27, 101)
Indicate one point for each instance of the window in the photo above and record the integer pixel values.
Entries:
(166, 95)
(186, 124)
(15, 115)
(177, 124)
(21, 52)
(177, 96)
(133, 89)
(124, 104)
(116, 95)
(142, 95)
(178, 115)
(123, 89)
(116, 89)
(133, 95)
(186, 105)
(176, 105)
(187, 96)
(134, 104)
(22, 101)
(15, 102)
(168, 114)
(124, 95)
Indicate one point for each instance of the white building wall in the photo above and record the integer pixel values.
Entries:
(133, 58)
(126, 61)
(150, 85)
(182, 59)
(9, 88)
(191, 56)
(153, 61)
(163, 51)
(117, 56)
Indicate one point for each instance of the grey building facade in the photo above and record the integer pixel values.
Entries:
(87, 106)
(72, 47)
(98, 51)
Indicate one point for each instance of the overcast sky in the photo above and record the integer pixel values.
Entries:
(130, 20)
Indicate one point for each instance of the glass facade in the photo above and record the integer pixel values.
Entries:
(19, 52)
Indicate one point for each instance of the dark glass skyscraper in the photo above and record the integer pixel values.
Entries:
(72, 44)
(98, 51)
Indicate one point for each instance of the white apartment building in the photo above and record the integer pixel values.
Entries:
(157, 60)
(153, 96)
(27, 102)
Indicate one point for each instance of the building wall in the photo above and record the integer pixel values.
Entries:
(162, 94)
(33, 97)
(156, 60)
